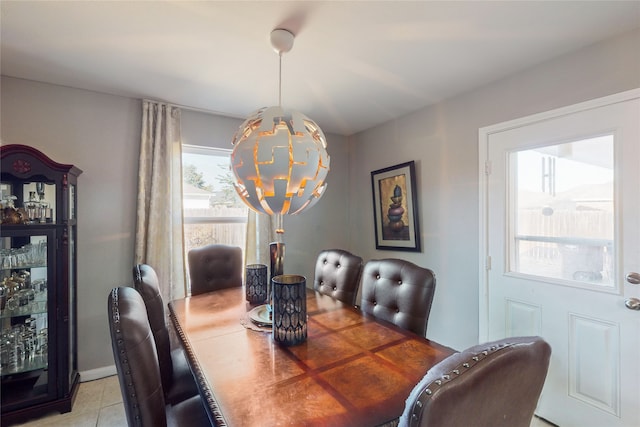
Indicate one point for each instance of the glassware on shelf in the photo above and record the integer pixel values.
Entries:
(43, 338)
(20, 296)
(31, 206)
(8, 202)
(37, 208)
(3, 296)
(5, 352)
(39, 285)
(29, 255)
(45, 213)
(40, 190)
(13, 303)
(23, 347)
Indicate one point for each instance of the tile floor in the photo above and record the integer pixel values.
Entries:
(99, 404)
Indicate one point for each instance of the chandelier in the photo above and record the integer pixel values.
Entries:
(280, 158)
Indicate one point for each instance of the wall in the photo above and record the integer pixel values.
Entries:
(100, 134)
(325, 225)
(443, 140)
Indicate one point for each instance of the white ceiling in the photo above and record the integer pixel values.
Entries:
(354, 64)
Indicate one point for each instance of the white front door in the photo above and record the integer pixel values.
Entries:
(561, 252)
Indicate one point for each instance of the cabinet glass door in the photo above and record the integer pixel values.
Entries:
(24, 314)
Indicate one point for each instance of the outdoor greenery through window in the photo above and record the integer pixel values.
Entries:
(213, 212)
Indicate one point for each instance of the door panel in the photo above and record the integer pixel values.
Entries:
(562, 231)
(522, 318)
(594, 368)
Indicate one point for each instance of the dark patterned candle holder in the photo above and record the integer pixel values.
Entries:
(256, 283)
(289, 309)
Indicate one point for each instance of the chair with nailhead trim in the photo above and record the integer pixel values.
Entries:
(338, 274)
(399, 292)
(136, 362)
(496, 384)
(213, 267)
(178, 382)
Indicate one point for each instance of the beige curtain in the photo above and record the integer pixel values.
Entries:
(260, 232)
(159, 233)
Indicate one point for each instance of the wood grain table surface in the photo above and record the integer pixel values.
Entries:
(353, 369)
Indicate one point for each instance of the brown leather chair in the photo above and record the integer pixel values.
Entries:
(495, 384)
(214, 267)
(399, 292)
(138, 370)
(338, 274)
(178, 382)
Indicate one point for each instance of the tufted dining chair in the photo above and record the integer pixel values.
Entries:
(136, 361)
(496, 384)
(214, 267)
(399, 292)
(337, 274)
(178, 382)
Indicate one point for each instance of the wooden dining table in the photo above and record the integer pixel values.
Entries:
(352, 370)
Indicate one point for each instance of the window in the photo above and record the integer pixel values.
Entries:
(563, 225)
(213, 212)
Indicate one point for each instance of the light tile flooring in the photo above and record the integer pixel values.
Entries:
(99, 404)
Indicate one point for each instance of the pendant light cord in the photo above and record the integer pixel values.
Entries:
(280, 80)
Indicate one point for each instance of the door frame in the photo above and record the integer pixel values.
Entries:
(484, 169)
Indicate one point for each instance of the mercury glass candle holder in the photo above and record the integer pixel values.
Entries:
(289, 309)
(256, 283)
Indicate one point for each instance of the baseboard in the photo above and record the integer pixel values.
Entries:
(96, 374)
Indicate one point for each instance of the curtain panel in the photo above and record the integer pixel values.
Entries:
(159, 225)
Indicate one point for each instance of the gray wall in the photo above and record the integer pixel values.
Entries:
(100, 134)
(443, 141)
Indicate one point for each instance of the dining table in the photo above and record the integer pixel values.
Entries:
(352, 370)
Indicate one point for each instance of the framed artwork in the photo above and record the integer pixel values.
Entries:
(395, 208)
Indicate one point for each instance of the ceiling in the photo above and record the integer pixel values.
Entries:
(354, 64)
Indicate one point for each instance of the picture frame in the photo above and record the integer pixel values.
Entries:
(395, 208)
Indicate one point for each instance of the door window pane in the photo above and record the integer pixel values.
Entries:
(562, 219)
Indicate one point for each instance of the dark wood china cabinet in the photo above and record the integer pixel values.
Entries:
(38, 315)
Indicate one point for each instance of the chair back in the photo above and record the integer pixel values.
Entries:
(214, 267)
(399, 292)
(145, 281)
(496, 384)
(136, 359)
(337, 274)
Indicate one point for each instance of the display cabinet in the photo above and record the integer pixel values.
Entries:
(38, 235)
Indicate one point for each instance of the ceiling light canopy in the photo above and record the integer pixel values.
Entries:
(280, 158)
